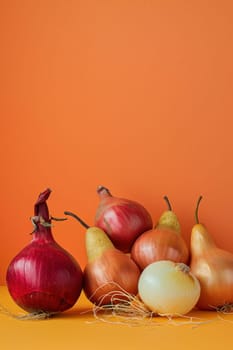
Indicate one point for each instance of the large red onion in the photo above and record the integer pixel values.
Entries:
(122, 219)
(44, 277)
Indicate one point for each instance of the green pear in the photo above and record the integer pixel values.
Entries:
(169, 219)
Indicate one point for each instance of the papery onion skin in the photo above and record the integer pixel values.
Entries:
(159, 244)
(44, 277)
(113, 271)
(108, 270)
(122, 219)
(168, 288)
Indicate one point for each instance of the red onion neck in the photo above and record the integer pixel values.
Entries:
(42, 232)
(41, 208)
(103, 192)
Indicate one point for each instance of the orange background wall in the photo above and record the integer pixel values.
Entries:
(134, 95)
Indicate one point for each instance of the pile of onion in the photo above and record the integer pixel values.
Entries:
(165, 288)
(155, 279)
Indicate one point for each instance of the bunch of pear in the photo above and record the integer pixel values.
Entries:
(123, 243)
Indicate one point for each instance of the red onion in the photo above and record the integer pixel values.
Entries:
(122, 219)
(43, 277)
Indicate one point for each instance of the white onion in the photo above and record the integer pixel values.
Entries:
(168, 288)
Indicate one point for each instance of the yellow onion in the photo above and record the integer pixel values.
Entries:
(168, 288)
(111, 272)
(108, 269)
(212, 266)
(164, 242)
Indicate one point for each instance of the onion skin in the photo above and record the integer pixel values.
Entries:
(214, 269)
(164, 242)
(168, 288)
(123, 220)
(160, 243)
(110, 272)
(44, 277)
(108, 269)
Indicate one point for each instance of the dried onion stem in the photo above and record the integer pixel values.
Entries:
(38, 315)
(124, 308)
(225, 309)
(128, 309)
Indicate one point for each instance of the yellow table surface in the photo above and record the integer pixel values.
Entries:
(77, 328)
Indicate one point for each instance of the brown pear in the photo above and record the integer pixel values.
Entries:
(212, 266)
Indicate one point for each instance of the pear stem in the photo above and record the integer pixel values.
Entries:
(58, 219)
(77, 218)
(168, 203)
(196, 211)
